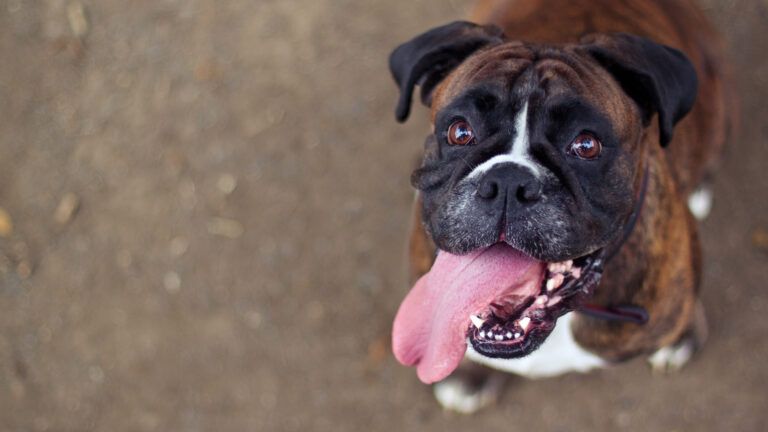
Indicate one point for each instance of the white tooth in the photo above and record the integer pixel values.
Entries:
(554, 300)
(556, 280)
(542, 299)
(552, 267)
(499, 337)
(567, 265)
(524, 323)
(509, 335)
(476, 321)
(576, 273)
(482, 335)
(517, 335)
(489, 334)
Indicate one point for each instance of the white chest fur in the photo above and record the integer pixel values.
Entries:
(557, 355)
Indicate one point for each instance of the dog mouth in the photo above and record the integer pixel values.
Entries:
(499, 300)
(514, 325)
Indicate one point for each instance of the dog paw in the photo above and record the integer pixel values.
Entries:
(672, 358)
(465, 396)
(700, 202)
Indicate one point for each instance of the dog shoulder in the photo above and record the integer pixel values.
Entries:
(559, 354)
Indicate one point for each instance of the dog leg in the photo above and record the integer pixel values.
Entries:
(700, 202)
(672, 358)
(470, 388)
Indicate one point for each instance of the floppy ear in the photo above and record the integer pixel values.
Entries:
(431, 56)
(659, 78)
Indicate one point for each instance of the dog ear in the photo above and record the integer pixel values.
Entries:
(659, 78)
(431, 56)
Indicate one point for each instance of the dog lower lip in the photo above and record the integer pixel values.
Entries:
(511, 328)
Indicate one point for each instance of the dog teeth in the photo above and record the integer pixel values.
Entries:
(524, 323)
(476, 321)
(555, 282)
(542, 299)
(560, 267)
(554, 300)
(501, 336)
(576, 273)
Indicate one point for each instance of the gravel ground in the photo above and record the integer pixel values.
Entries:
(202, 225)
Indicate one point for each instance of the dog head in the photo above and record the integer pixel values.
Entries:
(538, 147)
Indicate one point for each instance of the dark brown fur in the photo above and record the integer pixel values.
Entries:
(659, 266)
(676, 23)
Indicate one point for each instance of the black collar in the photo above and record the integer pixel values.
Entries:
(628, 312)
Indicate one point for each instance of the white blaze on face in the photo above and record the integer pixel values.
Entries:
(519, 154)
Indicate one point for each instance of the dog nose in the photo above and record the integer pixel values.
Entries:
(509, 181)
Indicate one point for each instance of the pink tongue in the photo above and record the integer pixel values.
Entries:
(430, 328)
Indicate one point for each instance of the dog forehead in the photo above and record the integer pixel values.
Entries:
(498, 67)
(518, 70)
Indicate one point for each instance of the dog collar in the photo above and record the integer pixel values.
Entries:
(629, 312)
(624, 313)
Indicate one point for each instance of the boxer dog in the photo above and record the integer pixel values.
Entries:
(553, 230)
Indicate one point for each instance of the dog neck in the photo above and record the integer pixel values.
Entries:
(664, 233)
(624, 312)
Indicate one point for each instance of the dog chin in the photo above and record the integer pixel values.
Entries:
(514, 327)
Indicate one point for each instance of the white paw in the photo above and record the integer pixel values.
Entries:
(671, 358)
(700, 202)
(457, 394)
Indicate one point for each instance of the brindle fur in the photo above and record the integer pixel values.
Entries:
(659, 265)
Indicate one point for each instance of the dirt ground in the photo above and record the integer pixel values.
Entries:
(202, 224)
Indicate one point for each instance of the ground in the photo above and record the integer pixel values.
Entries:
(202, 224)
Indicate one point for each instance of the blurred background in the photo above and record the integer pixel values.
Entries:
(203, 207)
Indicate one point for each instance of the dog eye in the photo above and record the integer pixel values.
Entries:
(460, 133)
(585, 146)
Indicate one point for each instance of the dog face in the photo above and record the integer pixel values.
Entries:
(542, 139)
(532, 171)
(537, 146)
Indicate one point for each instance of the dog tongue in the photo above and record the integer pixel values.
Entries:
(431, 325)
